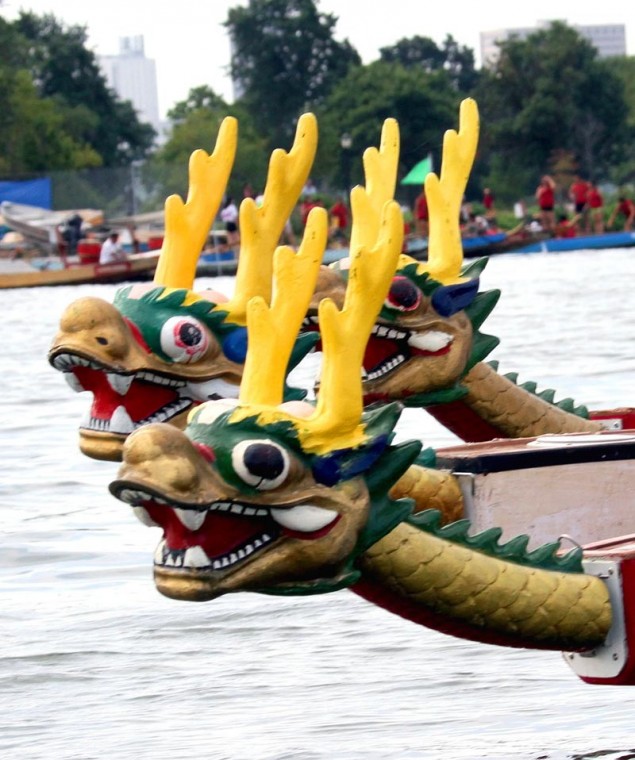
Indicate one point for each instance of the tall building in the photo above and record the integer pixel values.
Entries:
(608, 39)
(134, 77)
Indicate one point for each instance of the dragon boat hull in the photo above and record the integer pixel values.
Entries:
(580, 485)
(51, 271)
(581, 243)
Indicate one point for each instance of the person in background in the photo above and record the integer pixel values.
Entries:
(626, 208)
(565, 227)
(339, 221)
(595, 202)
(111, 250)
(488, 203)
(421, 214)
(72, 233)
(305, 207)
(546, 197)
(229, 215)
(579, 196)
(475, 226)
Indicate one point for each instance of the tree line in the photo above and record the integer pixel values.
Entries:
(548, 104)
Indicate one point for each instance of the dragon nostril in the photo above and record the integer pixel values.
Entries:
(102, 341)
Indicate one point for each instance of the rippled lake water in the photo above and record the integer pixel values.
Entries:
(96, 664)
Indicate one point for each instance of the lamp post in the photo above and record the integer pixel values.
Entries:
(346, 142)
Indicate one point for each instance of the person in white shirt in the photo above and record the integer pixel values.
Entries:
(111, 250)
(229, 215)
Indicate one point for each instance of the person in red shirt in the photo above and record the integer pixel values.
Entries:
(566, 228)
(546, 197)
(339, 221)
(578, 194)
(306, 206)
(626, 208)
(421, 214)
(596, 210)
(488, 202)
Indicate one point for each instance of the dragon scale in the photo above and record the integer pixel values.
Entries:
(453, 588)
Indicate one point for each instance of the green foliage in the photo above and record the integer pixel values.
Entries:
(200, 116)
(285, 61)
(424, 104)
(623, 169)
(423, 53)
(58, 112)
(548, 96)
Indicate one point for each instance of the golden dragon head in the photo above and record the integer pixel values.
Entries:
(258, 494)
(426, 336)
(162, 348)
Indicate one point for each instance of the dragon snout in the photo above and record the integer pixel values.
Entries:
(97, 324)
(160, 453)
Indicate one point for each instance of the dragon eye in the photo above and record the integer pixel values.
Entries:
(403, 295)
(262, 464)
(184, 339)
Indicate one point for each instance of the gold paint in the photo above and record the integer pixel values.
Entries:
(534, 605)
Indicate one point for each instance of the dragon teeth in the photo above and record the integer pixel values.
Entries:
(305, 517)
(159, 552)
(192, 519)
(120, 422)
(73, 382)
(119, 383)
(214, 388)
(195, 557)
(433, 340)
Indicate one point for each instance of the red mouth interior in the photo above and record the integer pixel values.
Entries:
(379, 350)
(220, 533)
(141, 401)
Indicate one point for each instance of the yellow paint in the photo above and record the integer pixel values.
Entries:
(445, 195)
(188, 224)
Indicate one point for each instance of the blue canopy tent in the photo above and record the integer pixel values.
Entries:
(31, 192)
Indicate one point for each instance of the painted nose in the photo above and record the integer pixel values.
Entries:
(96, 324)
(163, 455)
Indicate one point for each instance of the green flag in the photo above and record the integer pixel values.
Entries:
(418, 173)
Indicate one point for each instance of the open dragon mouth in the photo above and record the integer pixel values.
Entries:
(389, 348)
(122, 401)
(221, 534)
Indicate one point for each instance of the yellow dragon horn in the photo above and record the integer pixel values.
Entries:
(380, 171)
(188, 224)
(273, 329)
(445, 195)
(261, 227)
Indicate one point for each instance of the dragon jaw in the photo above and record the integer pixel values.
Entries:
(133, 380)
(244, 508)
(426, 336)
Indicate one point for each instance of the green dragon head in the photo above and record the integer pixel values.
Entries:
(161, 348)
(426, 335)
(280, 497)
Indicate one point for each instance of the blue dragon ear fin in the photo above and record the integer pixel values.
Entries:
(234, 345)
(450, 299)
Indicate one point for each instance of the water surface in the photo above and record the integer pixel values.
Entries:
(96, 664)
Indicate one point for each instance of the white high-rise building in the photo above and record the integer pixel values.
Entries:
(608, 39)
(134, 77)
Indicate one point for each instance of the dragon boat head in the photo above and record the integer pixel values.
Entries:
(280, 497)
(160, 349)
(426, 337)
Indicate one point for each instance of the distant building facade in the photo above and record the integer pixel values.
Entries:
(134, 77)
(608, 39)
